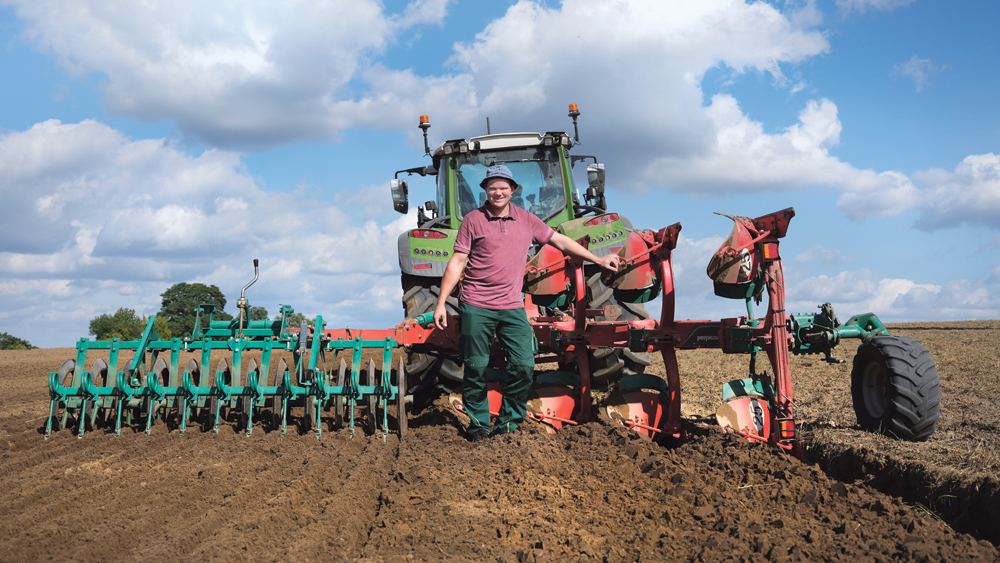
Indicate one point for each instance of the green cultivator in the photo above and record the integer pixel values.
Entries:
(138, 394)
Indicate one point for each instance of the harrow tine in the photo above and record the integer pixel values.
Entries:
(278, 402)
(222, 375)
(338, 401)
(250, 392)
(67, 378)
(190, 370)
(99, 378)
(372, 399)
(149, 401)
(83, 408)
(190, 392)
(57, 394)
(401, 399)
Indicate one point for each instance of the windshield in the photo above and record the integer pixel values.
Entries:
(536, 171)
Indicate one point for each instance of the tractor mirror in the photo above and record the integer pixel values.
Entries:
(400, 195)
(595, 177)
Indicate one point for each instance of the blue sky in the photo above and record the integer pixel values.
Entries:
(147, 144)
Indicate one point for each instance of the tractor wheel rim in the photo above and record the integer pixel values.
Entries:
(874, 391)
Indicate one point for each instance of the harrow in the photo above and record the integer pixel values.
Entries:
(140, 395)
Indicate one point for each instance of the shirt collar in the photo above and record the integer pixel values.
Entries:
(491, 217)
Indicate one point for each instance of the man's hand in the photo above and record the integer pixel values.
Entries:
(610, 262)
(452, 273)
(440, 316)
(573, 248)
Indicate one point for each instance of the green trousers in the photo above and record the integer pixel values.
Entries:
(478, 326)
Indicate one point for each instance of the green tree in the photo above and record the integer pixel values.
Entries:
(8, 342)
(163, 331)
(124, 324)
(258, 314)
(180, 301)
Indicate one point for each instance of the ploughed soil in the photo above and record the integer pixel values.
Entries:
(588, 493)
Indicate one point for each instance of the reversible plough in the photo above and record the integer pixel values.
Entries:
(759, 406)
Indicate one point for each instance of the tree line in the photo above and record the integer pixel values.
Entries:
(10, 342)
(176, 316)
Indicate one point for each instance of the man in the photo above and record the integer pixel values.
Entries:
(491, 250)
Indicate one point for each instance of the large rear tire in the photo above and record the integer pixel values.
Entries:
(608, 365)
(420, 295)
(895, 388)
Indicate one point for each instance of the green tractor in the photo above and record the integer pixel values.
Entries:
(543, 167)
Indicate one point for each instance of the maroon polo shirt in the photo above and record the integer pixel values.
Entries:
(497, 249)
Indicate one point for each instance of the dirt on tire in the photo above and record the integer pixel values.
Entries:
(589, 493)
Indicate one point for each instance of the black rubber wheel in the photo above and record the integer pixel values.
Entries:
(420, 296)
(895, 388)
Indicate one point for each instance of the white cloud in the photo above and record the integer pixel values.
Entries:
(108, 222)
(893, 299)
(916, 69)
(232, 73)
(969, 194)
(250, 74)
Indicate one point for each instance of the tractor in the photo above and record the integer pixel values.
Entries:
(543, 167)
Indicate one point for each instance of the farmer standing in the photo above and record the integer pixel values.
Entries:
(491, 250)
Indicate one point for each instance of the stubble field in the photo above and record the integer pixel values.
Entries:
(590, 493)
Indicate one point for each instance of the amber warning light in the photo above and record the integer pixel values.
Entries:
(770, 251)
(424, 119)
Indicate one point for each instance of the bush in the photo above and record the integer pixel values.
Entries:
(8, 342)
(124, 324)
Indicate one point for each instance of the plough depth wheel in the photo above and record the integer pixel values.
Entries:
(895, 387)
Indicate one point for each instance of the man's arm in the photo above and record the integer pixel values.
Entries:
(573, 248)
(452, 273)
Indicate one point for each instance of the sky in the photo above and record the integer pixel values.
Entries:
(146, 144)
